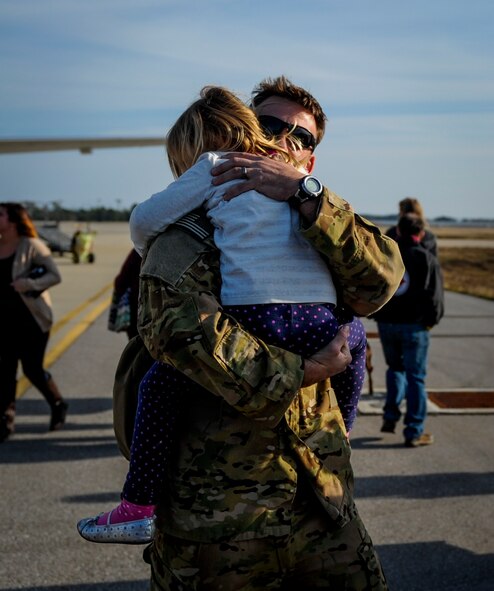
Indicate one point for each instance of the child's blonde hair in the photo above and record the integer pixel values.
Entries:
(218, 121)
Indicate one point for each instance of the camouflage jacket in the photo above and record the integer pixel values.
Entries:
(251, 431)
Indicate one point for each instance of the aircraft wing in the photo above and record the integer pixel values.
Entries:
(83, 145)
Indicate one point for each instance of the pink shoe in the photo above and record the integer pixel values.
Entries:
(126, 524)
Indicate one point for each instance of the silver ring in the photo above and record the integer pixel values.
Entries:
(244, 172)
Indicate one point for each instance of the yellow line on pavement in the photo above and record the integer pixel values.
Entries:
(68, 317)
(76, 332)
(54, 353)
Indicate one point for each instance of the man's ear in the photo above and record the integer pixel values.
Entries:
(309, 166)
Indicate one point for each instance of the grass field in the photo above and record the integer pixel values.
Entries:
(468, 270)
(465, 269)
(463, 233)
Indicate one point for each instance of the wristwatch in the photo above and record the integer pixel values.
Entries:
(309, 188)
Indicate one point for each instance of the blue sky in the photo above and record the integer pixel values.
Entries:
(408, 88)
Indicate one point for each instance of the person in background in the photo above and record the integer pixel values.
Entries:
(404, 324)
(128, 278)
(27, 270)
(412, 205)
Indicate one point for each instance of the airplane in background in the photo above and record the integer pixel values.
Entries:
(50, 233)
(83, 145)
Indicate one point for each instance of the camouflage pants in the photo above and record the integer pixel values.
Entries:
(313, 556)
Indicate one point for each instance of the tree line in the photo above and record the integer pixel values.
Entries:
(55, 212)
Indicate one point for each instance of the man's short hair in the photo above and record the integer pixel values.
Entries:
(410, 224)
(284, 88)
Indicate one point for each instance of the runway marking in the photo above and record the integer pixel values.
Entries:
(56, 351)
(68, 317)
(81, 327)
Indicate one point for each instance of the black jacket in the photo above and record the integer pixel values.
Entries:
(428, 241)
(420, 297)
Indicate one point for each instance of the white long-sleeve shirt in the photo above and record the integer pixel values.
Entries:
(263, 256)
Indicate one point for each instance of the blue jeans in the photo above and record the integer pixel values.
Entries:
(405, 348)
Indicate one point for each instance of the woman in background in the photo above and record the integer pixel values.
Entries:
(27, 270)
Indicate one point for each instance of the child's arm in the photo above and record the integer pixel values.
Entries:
(365, 264)
(153, 216)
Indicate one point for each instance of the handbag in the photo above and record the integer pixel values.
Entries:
(119, 317)
(35, 273)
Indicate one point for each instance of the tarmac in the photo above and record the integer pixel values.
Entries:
(430, 511)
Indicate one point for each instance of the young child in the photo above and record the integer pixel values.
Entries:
(273, 282)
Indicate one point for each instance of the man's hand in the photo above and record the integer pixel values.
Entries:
(274, 178)
(271, 177)
(329, 361)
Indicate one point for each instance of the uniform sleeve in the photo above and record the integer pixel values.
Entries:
(162, 209)
(365, 263)
(182, 323)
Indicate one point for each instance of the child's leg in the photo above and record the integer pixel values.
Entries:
(158, 409)
(349, 383)
(305, 329)
(300, 328)
(159, 405)
(316, 326)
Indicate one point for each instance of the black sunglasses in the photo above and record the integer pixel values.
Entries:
(275, 127)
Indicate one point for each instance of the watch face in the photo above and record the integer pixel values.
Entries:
(312, 185)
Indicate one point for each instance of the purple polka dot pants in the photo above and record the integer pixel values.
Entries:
(160, 404)
(305, 329)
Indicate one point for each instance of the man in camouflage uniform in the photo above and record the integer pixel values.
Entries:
(261, 492)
